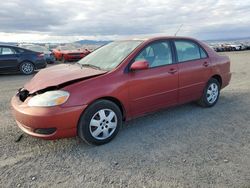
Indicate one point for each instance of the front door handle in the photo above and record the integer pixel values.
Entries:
(205, 64)
(172, 71)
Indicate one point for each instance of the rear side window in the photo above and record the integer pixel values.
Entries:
(19, 50)
(6, 51)
(187, 51)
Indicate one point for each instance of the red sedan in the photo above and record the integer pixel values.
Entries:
(68, 53)
(117, 82)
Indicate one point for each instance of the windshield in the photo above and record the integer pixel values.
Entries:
(111, 55)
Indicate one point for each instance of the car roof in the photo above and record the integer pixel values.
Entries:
(15, 47)
(160, 38)
(172, 37)
(8, 46)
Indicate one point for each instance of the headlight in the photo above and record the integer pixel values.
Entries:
(49, 98)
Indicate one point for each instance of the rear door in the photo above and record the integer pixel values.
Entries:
(194, 69)
(156, 87)
(8, 59)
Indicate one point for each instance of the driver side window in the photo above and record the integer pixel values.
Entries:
(157, 54)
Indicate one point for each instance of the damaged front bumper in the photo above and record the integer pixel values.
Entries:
(46, 122)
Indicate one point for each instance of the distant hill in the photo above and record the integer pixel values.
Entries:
(93, 42)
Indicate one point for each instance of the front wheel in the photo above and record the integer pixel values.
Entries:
(211, 93)
(100, 122)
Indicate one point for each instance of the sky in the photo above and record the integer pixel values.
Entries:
(71, 20)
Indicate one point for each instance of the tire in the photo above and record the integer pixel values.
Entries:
(95, 126)
(27, 68)
(211, 93)
(63, 60)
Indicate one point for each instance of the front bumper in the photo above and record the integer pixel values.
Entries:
(63, 120)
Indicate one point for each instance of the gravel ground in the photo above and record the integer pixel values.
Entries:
(185, 146)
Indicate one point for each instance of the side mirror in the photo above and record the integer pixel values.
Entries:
(139, 65)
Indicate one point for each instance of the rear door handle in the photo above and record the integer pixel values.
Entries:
(172, 71)
(205, 64)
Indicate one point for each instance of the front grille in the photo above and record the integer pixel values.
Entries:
(23, 94)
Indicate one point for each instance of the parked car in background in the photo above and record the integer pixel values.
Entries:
(232, 47)
(243, 46)
(229, 46)
(48, 55)
(69, 53)
(216, 47)
(117, 82)
(16, 59)
(236, 47)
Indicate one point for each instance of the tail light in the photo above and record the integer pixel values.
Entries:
(40, 55)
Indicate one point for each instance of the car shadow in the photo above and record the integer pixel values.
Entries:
(173, 141)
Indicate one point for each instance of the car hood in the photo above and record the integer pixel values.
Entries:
(60, 74)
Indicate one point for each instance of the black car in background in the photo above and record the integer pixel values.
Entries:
(16, 59)
(48, 55)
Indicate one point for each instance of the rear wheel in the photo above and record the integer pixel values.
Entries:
(211, 93)
(27, 68)
(100, 122)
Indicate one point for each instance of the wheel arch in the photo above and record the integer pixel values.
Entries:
(218, 78)
(117, 102)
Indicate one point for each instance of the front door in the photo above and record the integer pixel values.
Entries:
(156, 87)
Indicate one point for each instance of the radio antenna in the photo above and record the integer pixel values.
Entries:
(178, 29)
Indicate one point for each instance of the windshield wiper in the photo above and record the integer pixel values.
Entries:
(89, 65)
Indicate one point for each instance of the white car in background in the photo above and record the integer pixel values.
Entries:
(236, 47)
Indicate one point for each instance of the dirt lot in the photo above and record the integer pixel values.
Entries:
(185, 146)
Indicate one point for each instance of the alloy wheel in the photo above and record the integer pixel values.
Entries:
(27, 68)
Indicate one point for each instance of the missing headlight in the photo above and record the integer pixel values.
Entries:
(22, 94)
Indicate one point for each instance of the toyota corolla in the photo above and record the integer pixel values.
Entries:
(117, 82)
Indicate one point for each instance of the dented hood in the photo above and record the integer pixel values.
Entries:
(60, 74)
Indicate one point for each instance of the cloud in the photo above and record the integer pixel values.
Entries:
(70, 19)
